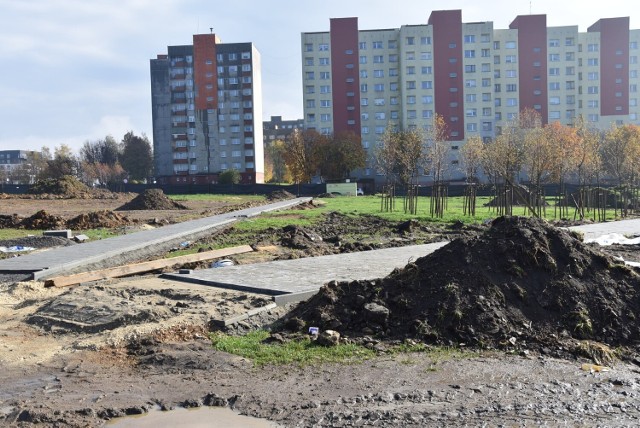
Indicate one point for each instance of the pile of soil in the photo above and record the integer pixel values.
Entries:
(280, 195)
(520, 282)
(67, 186)
(9, 221)
(43, 220)
(152, 199)
(96, 219)
(38, 242)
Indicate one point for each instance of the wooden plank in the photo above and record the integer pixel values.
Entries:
(118, 271)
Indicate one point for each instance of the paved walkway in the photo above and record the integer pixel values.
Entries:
(49, 263)
(303, 277)
(624, 227)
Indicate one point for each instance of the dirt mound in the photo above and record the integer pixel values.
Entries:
(38, 242)
(280, 195)
(96, 219)
(522, 281)
(43, 220)
(67, 186)
(9, 221)
(152, 199)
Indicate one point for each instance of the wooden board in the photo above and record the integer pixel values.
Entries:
(118, 271)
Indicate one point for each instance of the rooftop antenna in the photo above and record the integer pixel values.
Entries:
(211, 29)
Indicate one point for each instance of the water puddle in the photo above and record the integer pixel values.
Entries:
(209, 417)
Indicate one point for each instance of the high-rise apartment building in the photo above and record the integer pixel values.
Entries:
(477, 77)
(207, 111)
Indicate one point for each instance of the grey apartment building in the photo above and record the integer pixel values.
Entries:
(207, 112)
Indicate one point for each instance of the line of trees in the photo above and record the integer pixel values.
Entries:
(308, 154)
(100, 162)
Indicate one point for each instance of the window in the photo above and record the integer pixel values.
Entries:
(379, 101)
(323, 47)
(512, 102)
(472, 127)
(592, 61)
(425, 56)
(311, 103)
(378, 73)
(569, 56)
(554, 43)
(323, 61)
(554, 101)
(393, 58)
(470, 53)
(411, 99)
(554, 86)
(362, 46)
(411, 56)
(325, 103)
(571, 99)
(554, 115)
(308, 47)
(592, 75)
(554, 71)
(471, 112)
(393, 86)
(592, 47)
(593, 118)
(469, 38)
(380, 116)
(496, 45)
(393, 72)
(510, 59)
(325, 75)
(633, 45)
(510, 45)
(364, 87)
(486, 96)
(426, 84)
(411, 114)
(486, 111)
(633, 88)
(512, 87)
(485, 53)
(592, 90)
(363, 59)
(570, 71)
(379, 129)
(378, 59)
(411, 69)
(364, 101)
(393, 101)
(379, 87)
(365, 129)
(427, 99)
(325, 117)
(309, 75)
(511, 73)
(469, 68)
(394, 114)
(486, 68)
(486, 83)
(425, 40)
(633, 60)
(325, 89)
(310, 89)
(246, 67)
(411, 40)
(470, 83)
(377, 45)
(233, 56)
(427, 114)
(485, 38)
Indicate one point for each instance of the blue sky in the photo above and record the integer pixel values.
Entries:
(78, 70)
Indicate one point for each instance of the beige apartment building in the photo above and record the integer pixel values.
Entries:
(475, 76)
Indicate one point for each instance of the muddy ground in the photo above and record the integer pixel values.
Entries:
(144, 346)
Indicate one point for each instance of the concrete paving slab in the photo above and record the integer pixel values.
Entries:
(45, 264)
(624, 227)
(305, 276)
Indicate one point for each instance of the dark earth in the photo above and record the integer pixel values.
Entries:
(518, 307)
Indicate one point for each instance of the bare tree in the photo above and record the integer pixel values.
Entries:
(435, 160)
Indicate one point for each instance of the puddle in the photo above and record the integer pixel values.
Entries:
(209, 417)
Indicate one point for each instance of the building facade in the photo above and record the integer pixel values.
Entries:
(278, 129)
(476, 77)
(11, 162)
(207, 112)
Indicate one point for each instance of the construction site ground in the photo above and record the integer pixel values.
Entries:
(84, 355)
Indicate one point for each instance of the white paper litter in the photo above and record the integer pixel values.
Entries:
(613, 238)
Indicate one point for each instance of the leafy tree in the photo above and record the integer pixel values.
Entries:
(105, 151)
(137, 157)
(471, 153)
(64, 162)
(301, 154)
(229, 176)
(340, 154)
(275, 167)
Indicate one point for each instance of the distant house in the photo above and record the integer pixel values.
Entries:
(278, 129)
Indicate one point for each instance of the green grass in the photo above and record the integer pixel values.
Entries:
(17, 233)
(302, 352)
